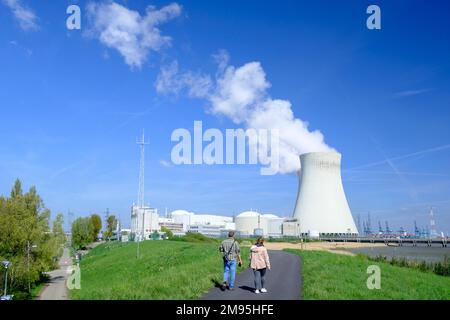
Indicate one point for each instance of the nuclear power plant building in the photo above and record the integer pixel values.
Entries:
(321, 207)
(246, 224)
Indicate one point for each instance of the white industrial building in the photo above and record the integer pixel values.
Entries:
(247, 222)
(183, 217)
(209, 219)
(252, 223)
(172, 225)
(144, 221)
(124, 235)
(274, 225)
(321, 207)
(207, 224)
(214, 231)
(291, 228)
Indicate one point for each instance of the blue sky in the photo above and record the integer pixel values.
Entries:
(72, 107)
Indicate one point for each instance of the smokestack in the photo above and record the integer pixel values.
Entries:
(321, 205)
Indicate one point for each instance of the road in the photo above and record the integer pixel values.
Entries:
(56, 288)
(283, 281)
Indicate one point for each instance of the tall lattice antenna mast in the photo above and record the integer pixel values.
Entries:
(142, 144)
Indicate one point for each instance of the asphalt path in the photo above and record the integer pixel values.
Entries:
(56, 288)
(283, 281)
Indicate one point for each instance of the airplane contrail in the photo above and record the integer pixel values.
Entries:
(405, 156)
(407, 173)
(412, 190)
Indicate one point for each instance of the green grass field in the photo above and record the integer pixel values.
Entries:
(333, 276)
(36, 290)
(186, 270)
(165, 270)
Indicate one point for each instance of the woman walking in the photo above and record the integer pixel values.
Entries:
(259, 262)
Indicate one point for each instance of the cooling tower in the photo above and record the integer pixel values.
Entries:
(321, 205)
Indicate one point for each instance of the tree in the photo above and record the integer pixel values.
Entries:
(97, 225)
(16, 191)
(58, 234)
(82, 232)
(57, 228)
(111, 226)
(168, 232)
(25, 238)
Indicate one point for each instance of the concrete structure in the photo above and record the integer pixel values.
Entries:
(209, 219)
(291, 228)
(207, 224)
(247, 222)
(213, 231)
(230, 226)
(183, 217)
(321, 205)
(124, 235)
(252, 223)
(175, 227)
(274, 225)
(144, 221)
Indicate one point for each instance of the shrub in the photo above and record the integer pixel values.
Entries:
(196, 237)
(168, 232)
(439, 268)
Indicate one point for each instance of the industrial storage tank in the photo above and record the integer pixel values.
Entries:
(247, 222)
(321, 203)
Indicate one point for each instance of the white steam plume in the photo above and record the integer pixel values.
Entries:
(241, 94)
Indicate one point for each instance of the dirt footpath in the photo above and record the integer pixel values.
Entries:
(333, 247)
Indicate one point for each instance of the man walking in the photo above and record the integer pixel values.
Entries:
(230, 250)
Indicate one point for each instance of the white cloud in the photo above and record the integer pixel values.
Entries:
(25, 16)
(171, 81)
(168, 80)
(165, 163)
(409, 93)
(241, 94)
(222, 59)
(125, 30)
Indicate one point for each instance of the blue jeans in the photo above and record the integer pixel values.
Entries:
(229, 266)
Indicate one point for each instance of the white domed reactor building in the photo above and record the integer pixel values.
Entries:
(252, 223)
(321, 207)
(247, 222)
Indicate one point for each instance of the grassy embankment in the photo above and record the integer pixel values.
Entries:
(165, 270)
(333, 276)
(185, 270)
(37, 289)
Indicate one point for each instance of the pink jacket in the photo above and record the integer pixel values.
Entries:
(259, 258)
